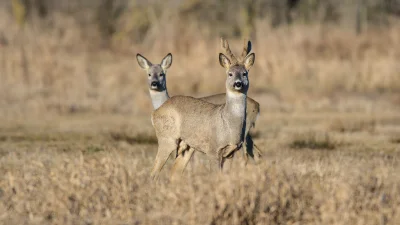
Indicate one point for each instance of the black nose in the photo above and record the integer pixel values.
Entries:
(238, 84)
(154, 84)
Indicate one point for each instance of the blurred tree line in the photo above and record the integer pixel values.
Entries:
(135, 18)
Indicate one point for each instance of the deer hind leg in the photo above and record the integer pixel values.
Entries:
(247, 144)
(247, 151)
(181, 162)
(257, 156)
(252, 149)
(165, 148)
(248, 148)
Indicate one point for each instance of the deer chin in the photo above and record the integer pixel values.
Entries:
(156, 89)
(236, 91)
(238, 88)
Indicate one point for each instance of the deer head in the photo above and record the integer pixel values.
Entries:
(156, 72)
(237, 69)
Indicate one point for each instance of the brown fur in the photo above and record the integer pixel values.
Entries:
(252, 112)
(217, 130)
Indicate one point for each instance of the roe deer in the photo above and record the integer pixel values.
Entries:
(157, 84)
(217, 130)
(156, 81)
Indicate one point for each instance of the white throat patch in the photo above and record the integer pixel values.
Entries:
(237, 103)
(158, 98)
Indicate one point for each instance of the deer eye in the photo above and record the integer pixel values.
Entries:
(161, 75)
(230, 74)
(245, 74)
(149, 75)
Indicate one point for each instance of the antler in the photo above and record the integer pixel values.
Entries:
(246, 48)
(225, 46)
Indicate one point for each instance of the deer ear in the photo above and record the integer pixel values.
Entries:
(143, 62)
(167, 61)
(224, 61)
(249, 61)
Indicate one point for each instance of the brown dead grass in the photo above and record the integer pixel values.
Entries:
(82, 176)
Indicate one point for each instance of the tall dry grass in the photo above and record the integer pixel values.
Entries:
(58, 66)
(72, 170)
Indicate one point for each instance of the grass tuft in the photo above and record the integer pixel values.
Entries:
(93, 149)
(312, 140)
(395, 140)
(139, 138)
(357, 125)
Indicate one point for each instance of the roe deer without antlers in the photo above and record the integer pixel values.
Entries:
(157, 81)
(157, 84)
(217, 130)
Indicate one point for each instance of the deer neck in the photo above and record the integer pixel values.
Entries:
(235, 104)
(235, 111)
(158, 98)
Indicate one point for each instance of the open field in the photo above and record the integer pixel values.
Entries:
(317, 168)
(77, 145)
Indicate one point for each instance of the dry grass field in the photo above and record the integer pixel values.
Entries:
(317, 168)
(77, 145)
